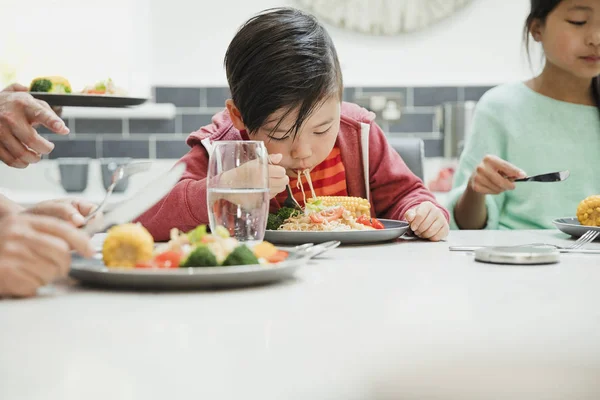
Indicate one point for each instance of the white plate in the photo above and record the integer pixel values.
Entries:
(393, 230)
(94, 272)
(571, 226)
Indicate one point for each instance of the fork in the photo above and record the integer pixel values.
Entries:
(290, 201)
(122, 172)
(313, 251)
(585, 239)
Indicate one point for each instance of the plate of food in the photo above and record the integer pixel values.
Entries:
(57, 91)
(587, 219)
(326, 218)
(196, 259)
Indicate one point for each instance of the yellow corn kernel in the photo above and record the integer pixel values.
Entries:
(588, 211)
(356, 205)
(126, 245)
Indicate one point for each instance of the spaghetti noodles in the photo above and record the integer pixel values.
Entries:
(318, 217)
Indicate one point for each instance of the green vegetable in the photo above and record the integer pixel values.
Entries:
(201, 256)
(41, 85)
(274, 221)
(315, 206)
(60, 88)
(196, 235)
(286, 212)
(241, 255)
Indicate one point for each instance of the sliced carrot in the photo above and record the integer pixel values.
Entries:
(280, 256)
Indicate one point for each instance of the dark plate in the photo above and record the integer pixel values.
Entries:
(87, 100)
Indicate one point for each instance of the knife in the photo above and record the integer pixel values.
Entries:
(473, 248)
(551, 177)
(137, 204)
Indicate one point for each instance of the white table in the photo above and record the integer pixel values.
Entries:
(407, 320)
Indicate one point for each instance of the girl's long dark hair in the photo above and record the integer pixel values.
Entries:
(539, 11)
(281, 59)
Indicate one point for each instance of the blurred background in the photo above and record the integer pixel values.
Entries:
(420, 65)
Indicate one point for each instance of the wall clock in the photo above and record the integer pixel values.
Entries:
(383, 17)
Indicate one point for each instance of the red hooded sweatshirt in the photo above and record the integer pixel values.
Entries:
(374, 171)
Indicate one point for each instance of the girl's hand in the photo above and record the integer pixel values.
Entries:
(494, 176)
(427, 221)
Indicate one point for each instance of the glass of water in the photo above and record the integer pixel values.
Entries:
(238, 189)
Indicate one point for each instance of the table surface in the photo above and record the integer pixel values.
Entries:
(407, 320)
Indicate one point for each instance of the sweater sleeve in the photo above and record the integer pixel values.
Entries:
(394, 188)
(185, 207)
(487, 136)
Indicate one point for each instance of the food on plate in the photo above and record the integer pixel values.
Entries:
(50, 84)
(356, 205)
(325, 213)
(106, 87)
(588, 211)
(241, 255)
(274, 221)
(131, 246)
(126, 245)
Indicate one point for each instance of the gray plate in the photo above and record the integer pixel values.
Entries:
(571, 226)
(393, 230)
(87, 100)
(94, 272)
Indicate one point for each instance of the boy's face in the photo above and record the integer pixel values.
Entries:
(314, 141)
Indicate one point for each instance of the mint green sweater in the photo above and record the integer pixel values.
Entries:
(537, 134)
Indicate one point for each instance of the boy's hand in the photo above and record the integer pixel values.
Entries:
(278, 178)
(427, 221)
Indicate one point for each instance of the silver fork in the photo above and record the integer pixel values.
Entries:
(313, 251)
(290, 201)
(122, 172)
(585, 239)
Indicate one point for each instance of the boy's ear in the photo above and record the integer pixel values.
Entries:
(236, 116)
(536, 29)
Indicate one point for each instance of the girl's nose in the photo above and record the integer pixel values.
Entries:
(593, 38)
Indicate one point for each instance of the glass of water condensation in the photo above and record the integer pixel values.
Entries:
(238, 189)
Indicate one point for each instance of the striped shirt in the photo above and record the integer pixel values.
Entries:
(328, 179)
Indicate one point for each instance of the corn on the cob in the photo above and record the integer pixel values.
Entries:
(588, 211)
(127, 244)
(356, 205)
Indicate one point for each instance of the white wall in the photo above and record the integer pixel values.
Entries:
(83, 40)
(182, 42)
(480, 45)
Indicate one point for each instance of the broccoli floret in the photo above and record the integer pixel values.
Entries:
(41, 85)
(273, 222)
(286, 212)
(201, 256)
(241, 255)
(60, 88)
(196, 235)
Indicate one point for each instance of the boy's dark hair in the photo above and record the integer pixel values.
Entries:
(540, 9)
(282, 58)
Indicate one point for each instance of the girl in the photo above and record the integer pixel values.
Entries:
(286, 86)
(550, 123)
